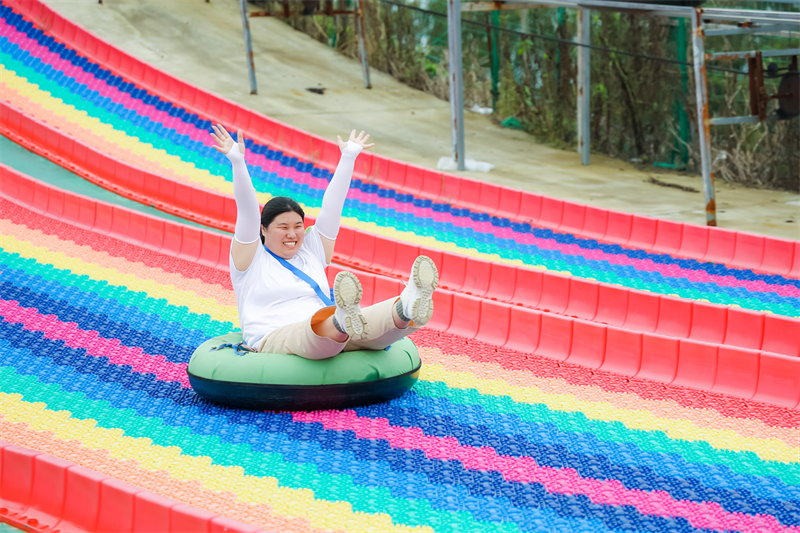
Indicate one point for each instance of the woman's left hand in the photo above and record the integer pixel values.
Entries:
(224, 142)
(361, 140)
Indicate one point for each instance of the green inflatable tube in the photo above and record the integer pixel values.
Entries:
(281, 382)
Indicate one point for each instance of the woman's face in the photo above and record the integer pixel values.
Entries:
(284, 235)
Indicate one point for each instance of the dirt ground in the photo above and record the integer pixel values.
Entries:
(201, 42)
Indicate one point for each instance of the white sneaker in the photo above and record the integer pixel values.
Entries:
(416, 297)
(347, 293)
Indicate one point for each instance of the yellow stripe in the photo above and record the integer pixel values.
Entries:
(667, 408)
(174, 295)
(723, 439)
(106, 131)
(211, 181)
(431, 242)
(90, 255)
(769, 449)
(249, 489)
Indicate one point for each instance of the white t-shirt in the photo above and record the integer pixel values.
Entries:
(269, 296)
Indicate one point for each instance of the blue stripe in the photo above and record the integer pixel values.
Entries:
(312, 436)
(445, 232)
(189, 118)
(277, 434)
(82, 296)
(102, 321)
(471, 425)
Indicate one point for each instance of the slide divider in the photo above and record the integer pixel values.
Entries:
(202, 206)
(41, 493)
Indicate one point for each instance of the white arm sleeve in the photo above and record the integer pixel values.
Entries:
(330, 214)
(248, 215)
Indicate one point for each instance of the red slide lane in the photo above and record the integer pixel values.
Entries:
(171, 196)
(42, 493)
(747, 373)
(737, 249)
(565, 295)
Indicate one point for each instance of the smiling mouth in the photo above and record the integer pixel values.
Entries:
(290, 244)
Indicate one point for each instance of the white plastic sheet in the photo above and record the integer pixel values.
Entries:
(448, 163)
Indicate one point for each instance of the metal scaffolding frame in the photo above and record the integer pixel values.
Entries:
(248, 47)
(729, 22)
(456, 82)
(584, 84)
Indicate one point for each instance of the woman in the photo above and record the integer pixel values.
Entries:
(278, 271)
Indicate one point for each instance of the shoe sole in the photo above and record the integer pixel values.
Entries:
(347, 293)
(425, 276)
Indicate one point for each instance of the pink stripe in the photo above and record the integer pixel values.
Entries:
(54, 60)
(558, 480)
(96, 346)
(645, 265)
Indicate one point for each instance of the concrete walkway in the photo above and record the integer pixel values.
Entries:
(202, 43)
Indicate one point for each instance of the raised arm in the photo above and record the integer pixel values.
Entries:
(248, 215)
(330, 214)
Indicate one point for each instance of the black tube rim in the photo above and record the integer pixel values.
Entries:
(281, 397)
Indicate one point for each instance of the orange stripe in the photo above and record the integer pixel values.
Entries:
(666, 409)
(158, 481)
(89, 255)
(25, 104)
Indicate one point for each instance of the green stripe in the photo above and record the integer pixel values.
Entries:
(220, 171)
(331, 487)
(144, 136)
(612, 432)
(615, 432)
(43, 169)
(124, 296)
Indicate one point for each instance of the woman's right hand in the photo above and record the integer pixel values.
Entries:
(360, 140)
(225, 141)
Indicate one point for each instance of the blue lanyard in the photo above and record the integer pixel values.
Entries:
(327, 300)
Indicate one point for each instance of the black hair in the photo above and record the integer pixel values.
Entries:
(277, 206)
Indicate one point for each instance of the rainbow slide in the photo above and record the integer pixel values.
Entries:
(586, 370)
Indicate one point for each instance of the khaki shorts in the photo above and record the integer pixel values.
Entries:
(299, 338)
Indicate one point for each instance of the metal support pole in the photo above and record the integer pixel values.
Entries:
(683, 120)
(456, 81)
(248, 44)
(584, 87)
(703, 121)
(491, 51)
(758, 95)
(523, 27)
(722, 56)
(558, 49)
(494, 62)
(362, 49)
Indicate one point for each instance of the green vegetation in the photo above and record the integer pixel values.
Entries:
(641, 109)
